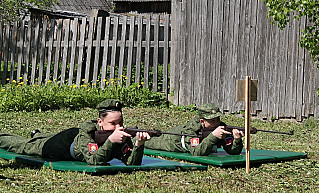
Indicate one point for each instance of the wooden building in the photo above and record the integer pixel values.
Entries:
(64, 9)
(143, 6)
(82, 6)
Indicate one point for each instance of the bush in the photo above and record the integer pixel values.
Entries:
(23, 97)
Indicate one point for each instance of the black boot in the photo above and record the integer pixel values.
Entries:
(34, 132)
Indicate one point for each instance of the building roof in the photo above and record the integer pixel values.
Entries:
(81, 6)
(139, 0)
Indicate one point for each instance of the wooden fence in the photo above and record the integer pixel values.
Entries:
(220, 41)
(85, 50)
(214, 43)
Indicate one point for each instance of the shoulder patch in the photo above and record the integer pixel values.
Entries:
(125, 148)
(194, 142)
(93, 147)
(229, 140)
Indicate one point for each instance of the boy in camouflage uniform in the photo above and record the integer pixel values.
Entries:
(79, 143)
(208, 117)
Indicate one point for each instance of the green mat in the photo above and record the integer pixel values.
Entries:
(115, 165)
(221, 158)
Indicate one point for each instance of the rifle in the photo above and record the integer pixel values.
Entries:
(101, 135)
(253, 130)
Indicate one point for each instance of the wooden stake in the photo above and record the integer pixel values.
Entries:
(247, 121)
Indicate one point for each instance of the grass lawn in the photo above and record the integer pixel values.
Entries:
(292, 176)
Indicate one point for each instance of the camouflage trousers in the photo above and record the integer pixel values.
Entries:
(56, 146)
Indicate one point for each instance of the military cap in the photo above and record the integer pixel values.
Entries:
(209, 111)
(109, 105)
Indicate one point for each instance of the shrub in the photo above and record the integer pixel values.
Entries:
(49, 96)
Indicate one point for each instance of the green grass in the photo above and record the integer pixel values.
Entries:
(292, 176)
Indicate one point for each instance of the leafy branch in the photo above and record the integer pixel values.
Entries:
(11, 10)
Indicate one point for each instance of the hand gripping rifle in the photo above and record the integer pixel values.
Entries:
(253, 130)
(101, 135)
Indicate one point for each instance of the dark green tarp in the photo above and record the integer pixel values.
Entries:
(221, 158)
(148, 163)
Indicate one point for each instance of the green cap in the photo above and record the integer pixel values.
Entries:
(109, 105)
(209, 111)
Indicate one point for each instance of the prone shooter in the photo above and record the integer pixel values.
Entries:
(203, 135)
(79, 144)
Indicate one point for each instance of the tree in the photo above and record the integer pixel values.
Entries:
(281, 10)
(11, 10)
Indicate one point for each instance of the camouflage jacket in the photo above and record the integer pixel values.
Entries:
(206, 146)
(183, 144)
(128, 153)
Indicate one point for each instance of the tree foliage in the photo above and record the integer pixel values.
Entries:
(282, 10)
(11, 10)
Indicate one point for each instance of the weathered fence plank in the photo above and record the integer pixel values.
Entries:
(219, 40)
(20, 49)
(42, 51)
(81, 45)
(12, 49)
(35, 51)
(214, 69)
(259, 57)
(198, 61)
(234, 57)
(166, 54)
(50, 50)
(73, 50)
(252, 45)
(138, 49)
(97, 50)
(228, 32)
(300, 77)
(27, 55)
(208, 68)
(65, 44)
(283, 68)
(155, 55)
(122, 46)
(186, 48)
(206, 44)
(89, 47)
(1, 40)
(175, 56)
(292, 70)
(308, 84)
(130, 51)
(106, 51)
(114, 47)
(57, 45)
(147, 49)
(6, 50)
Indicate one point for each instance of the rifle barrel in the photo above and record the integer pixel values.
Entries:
(253, 130)
(135, 129)
(290, 133)
(179, 134)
